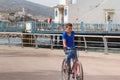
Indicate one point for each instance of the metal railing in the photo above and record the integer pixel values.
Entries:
(86, 42)
(43, 27)
(12, 27)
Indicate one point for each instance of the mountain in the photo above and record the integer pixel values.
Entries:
(10, 6)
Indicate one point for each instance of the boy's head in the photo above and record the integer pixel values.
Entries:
(69, 27)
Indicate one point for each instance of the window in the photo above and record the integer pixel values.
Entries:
(56, 13)
(65, 12)
(109, 14)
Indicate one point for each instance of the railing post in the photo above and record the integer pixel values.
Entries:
(81, 27)
(108, 27)
(8, 40)
(105, 45)
(22, 40)
(51, 41)
(33, 27)
(52, 26)
(36, 44)
(85, 43)
(3, 26)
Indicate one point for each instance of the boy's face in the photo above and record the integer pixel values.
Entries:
(69, 29)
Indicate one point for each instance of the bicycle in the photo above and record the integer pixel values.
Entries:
(75, 69)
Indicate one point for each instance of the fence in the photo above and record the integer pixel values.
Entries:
(12, 27)
(43, 27)
(86, 42)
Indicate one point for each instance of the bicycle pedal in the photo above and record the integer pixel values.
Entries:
(70, 71)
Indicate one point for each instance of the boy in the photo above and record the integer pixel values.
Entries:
(68, 43)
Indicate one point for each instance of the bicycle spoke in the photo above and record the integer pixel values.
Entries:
(65, 74)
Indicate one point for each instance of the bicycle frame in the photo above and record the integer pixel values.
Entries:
(73, 65)
(75, 68)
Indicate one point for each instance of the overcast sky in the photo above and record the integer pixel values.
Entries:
(50, 3)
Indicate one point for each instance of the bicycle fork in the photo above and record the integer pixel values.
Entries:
(74, 69)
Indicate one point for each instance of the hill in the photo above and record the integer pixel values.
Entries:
(10, 6)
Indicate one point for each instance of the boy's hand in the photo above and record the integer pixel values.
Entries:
(65, 48)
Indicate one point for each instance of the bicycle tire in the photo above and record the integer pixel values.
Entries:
(78, 71)
(65, 74)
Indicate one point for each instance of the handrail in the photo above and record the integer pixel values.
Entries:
(84, 41)
(42, 27)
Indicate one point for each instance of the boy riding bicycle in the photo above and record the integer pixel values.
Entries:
(68, 44)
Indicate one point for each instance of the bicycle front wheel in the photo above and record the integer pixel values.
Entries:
(78, 71)
(64, 72)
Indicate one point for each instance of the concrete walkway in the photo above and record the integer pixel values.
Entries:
(18, 63)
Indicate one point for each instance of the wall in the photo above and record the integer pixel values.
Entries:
(80, 9)
(56, 17)
(97, 15)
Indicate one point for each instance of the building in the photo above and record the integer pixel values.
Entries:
(4, 17)
(89, 11)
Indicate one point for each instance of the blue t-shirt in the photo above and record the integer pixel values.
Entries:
(69, 39)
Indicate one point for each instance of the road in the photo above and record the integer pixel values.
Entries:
(18, 63)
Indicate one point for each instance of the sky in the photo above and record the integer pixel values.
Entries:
(49, 3)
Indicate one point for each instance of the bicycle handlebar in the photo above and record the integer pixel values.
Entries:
(75, 48)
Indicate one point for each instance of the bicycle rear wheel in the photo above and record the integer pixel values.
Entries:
(78, 71)
(64, 72)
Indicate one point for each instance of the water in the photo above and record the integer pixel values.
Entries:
(43, 41)
(18, 41)
(13, 41)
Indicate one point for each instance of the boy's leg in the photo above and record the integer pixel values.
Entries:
(69, 56)
(74, 55)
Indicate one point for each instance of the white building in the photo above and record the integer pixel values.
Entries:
(91, 11)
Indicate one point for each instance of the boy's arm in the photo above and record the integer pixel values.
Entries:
(64, 44)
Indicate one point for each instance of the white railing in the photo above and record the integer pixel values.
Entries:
(86, 42)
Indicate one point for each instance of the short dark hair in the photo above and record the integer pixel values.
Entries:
(68, 24)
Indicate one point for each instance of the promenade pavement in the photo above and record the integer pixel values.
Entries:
(17, 63)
